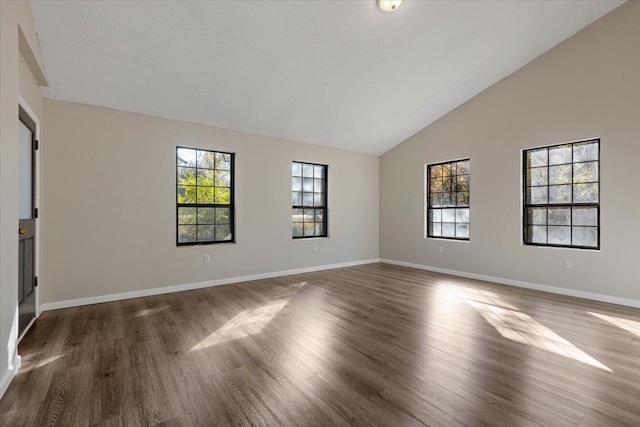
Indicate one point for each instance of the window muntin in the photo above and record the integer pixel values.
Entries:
(205, 202)
(448, 187)
(308, 200)
(562, 195)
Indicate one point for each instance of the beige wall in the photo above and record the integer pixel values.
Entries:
(588, 86)
(16, 80)
(109, 204)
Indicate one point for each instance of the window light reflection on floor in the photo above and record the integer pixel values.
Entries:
(520, 327)
(626, 324)
(247, 322)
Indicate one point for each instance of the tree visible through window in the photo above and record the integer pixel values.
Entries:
(448, 186)
(205, 210)
(309, 200)
(562, 195)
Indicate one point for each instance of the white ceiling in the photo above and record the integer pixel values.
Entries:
(340, 74)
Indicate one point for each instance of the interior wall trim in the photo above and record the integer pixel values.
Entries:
(8, 376)
(520, 284)
(189, 286)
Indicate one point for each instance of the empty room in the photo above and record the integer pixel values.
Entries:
(297, 213)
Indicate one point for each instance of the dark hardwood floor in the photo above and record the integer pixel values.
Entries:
(369, 345)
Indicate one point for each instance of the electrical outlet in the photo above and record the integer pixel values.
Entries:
(440, 249)
(207, 258)
(568, 263)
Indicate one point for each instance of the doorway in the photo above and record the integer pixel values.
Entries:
(27, 216)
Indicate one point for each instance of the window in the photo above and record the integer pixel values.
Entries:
(562, 195)
(205, 206)
(448, 200)
(309, 200)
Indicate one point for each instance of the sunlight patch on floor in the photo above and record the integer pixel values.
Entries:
(626, 324)
(39, 363)
(522, 328)
(247, 322)
(482, 296)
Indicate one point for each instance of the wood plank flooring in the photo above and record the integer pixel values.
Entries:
(368, 345)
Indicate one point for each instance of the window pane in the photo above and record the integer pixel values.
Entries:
(435, 185)
(297, 215)
(296, 169)
(186, 157)
(447, 184)
(463, 198)
(537, 176)
(560, 174)
(436, 215)
(462, 231)
(307, 170)
(462, 183)
(318, 199)
(585, 216)
(223, 215)
(187, 233)
(436, 229)
(448, 230)
(585, 172)
(223, 232)
(206, 159)
(537, 216)
(559, 216)
(585, 193)
(436, 199)
(585, 236)
(307, 199)
(297, 229)
(307, 184)
(187, 194)
(296, 198)
(537, 234)
(206, 216)
(223, 196)
(309, 229)
(435, 171)
(318, 186)
(462, 215)
(205, 195)
(560, 155)
(205, 233)
(186, 176)
(560, 194)
(296, 184)
(186, 215)
(318, 171)
(537, 195)
(448, 215)
(462, 167)
(448, 199)
(559, 235)
(319, 229)
(308, 215)
(536, 158)
(223, 161)
(319, 215)
(585, 152)
(205, 177)
(446, 169)
(223, 179)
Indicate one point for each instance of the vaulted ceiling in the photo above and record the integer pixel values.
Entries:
(340, 74)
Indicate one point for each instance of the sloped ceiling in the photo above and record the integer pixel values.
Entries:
(340, 74)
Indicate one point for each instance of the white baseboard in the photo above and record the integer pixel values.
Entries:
(552, 289)
(189, 286)
(8, 376)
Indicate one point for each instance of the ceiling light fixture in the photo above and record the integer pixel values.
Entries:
(389, 5)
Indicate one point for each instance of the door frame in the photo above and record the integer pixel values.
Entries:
(36, 204)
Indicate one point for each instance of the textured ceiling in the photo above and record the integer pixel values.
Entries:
(341, 74)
